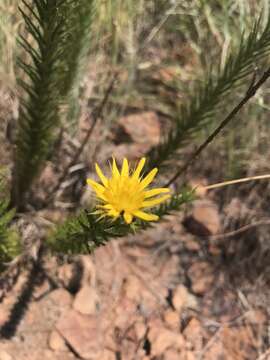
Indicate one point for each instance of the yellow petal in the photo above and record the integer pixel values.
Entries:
(143, 215)
(128, 217)
(150, 203)
(106, 206)
(102, 177)
(149, 178)
(157, 191)
(101, 196)
(99, 189)
(139, 168)
(125, 170)
(96, 186)
(113, 213)
(115, 171)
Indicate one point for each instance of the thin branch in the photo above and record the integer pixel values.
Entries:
(250, 93)
(96, 114)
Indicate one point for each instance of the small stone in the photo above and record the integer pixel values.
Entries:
(257, 317)
(61, 297)
(125, 312)
(172, 319)
(5, 356)
(56, 342)
(4, 314)
(89, 270)
(240, 342)
(192, 244)
(194, 334)
(65, 274)
(180, 296)
(83, 333)
(199, 186)
(133, 288)
(189, 355)
(204, 220)
(202, 276)
(171, 354)
(140, 329)
(108, 355)
(142, 128)
(162, 339)
(182, 299)
(86, 301)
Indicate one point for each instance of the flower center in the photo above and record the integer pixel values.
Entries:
(124, 195)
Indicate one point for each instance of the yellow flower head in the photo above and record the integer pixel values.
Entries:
(125, 193)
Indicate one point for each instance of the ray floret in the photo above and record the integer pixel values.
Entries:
(125, 193)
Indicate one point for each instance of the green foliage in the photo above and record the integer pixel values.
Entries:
(58, 45)
(84, 233)
(38, 116)
(205, 104)
(10, 245)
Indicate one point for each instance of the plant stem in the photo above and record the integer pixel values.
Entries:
(249, 94)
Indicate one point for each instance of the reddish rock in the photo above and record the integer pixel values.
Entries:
(140, 329)
(56, 342)
(204, 220)
(199, 186)
(192, 244)
(182, 298)
(202, 276)
(133, 288)
(89, 270)
(82, 333)
(86, 301)
(132, 151)
(142, 128)
(194, 334)
(171, 354)
(61, 296)
(162, 339)
(125, 313)
(235, 343)
(179, 298)
(5, 355)
(172, 319)
(107, 355)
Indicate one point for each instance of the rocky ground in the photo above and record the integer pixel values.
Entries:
(160, 295)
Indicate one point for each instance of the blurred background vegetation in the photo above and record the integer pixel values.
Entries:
(161, 49)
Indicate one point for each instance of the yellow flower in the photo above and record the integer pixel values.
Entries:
(125, 193)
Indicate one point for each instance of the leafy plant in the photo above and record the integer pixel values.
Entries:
(84, 233)
(55, 42)
(39, 114)
(10, 245)
(209, 99)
